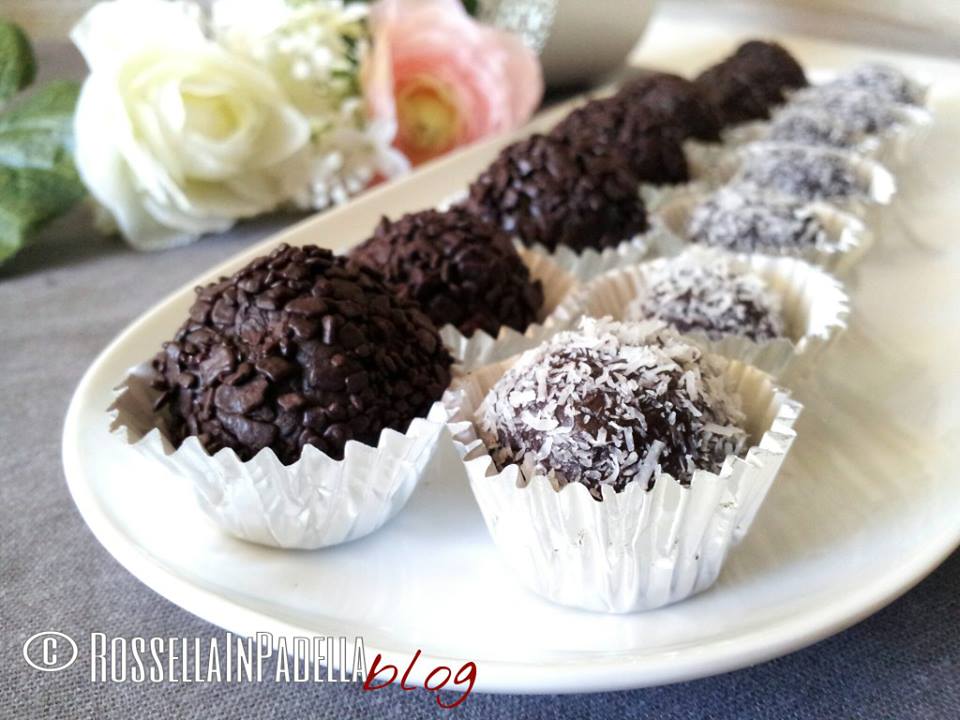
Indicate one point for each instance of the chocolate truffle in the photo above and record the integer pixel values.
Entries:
(769, 67)
(610, 404)
(747, 84)
(298, 348)
(809, 173)
(542, 190)
(732, 96)
(646, 140)
(883, 82)
(744, 219)
(680, 102)
(705, 292)
(853, 108)
(461, 270)
(812, 126)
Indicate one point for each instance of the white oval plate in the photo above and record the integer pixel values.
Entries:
(866, 505)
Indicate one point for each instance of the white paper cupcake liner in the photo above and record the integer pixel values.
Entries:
(589, 263)
(483, 349)
(814, 305)
(847, 237)
(313, 503)
(638, 549)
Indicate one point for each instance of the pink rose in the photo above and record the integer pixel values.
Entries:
(445, 79)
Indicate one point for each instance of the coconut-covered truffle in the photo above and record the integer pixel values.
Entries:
(747, 84)
(709, 293)
(852, 108)
(678, 101)
(461, 270)
(613, 403)
(882, 81)
(810, 173)
(812, 126)
(542, 190)
(744, 219)
(647, 141)
(297, 349)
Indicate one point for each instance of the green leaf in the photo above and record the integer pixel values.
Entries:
(18, 66)
(38, 179)
(29, 197)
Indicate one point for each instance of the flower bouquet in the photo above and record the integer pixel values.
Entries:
(192, 119)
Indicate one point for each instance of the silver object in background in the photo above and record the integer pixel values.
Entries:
(579, 42)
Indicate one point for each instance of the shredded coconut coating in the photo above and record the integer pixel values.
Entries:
(883, 82)
(809, 173)
(743, 219)
(613, 403)
(812, 126)
(853, 108)
(708, 292)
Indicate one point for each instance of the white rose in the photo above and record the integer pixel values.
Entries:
(174, 135)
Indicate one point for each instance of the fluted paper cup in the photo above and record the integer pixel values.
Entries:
(846, 238)
(483, 349)
(813, 304)
(315, 502)
(634, 550)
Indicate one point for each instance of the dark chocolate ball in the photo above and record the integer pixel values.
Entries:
(680, 102)
(461, 270)
(733, 97)
(770, 67)
(748, 83)
(299, 348)
(646, 140)
(543, 190)
(610, 404)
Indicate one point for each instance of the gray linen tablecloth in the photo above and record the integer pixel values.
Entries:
(62, 300)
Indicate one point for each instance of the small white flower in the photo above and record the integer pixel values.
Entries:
(174, 135)
(314, 48)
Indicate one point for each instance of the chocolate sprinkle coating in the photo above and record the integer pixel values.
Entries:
(610, 404)
(706, 292)
(460, 269)
(743, 219)
(769, 66)
(731, 95)
(809, 173)
(542, 190)
(681, 102)
(747, 84)
(298, 348)
(648, 141)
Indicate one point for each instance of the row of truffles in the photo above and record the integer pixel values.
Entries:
(303, 348)
(577, 185)
(809, 152)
